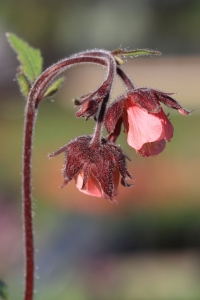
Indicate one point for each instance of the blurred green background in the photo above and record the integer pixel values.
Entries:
(147, 247)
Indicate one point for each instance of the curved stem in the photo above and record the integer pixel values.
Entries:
(34, 98)
(99, 124)
(125, 78)
(102, 110)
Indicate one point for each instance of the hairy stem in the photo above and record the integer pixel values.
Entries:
(34, 98)
(128, 82)
(125, 78)
(99, 124)
(108, 85)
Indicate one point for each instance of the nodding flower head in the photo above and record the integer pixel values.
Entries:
(88, 107)
(89, 104)
(146, 124)
(96, 169)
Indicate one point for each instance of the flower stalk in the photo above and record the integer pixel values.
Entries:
(35, 96)
(96, 164)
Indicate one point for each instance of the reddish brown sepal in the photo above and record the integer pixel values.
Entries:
(96, 169)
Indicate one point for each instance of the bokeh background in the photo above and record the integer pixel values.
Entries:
(146, 247)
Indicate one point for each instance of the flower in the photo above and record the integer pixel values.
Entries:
(96, 169)
(89, 104)
(147, 126)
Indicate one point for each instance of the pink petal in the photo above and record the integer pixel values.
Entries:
(92, 186)
(142, 127)
(152, 149)
(145, 128)
(168, 129)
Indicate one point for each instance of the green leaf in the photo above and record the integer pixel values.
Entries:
(23, 83)
(30, 58)
(3, 290)
(53, 88)
(134, 53)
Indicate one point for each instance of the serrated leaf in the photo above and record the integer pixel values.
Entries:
(30, 58)
(23, 83)
(53, 88)
(3, 290)
(134, 53)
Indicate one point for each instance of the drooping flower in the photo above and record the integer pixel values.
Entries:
(95, 169)
(147, 126)
(88, 105)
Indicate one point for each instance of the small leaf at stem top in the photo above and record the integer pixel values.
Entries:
(30, 58)
(3, 290)
(53, 88)
(134, 53)
(23, 83)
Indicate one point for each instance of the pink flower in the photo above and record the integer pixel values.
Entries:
(145, 131)
(146, 125)
(93, 187)
(95, 169)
